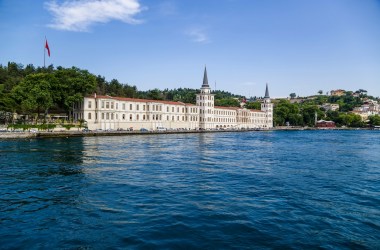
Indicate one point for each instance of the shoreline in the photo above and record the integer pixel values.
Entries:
(66, 134)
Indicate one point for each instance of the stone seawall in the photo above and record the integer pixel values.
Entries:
(16, 135)
(63, 134)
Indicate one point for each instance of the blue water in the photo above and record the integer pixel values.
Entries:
(261, 190)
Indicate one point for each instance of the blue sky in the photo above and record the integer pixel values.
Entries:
(293, 45)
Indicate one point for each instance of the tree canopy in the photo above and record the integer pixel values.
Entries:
(36, 89)
(33, 89)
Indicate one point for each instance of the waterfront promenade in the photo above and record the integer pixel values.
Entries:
(80, 133)
(46, 134)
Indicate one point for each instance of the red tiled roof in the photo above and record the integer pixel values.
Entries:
(237, 108)
(160, 101)
(137, 100)
(221, 107)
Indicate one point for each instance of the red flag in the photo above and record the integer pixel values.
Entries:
(47, 47)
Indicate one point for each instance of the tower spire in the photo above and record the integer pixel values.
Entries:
(266, 92)
(205, 80)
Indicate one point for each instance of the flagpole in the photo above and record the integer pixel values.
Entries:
(44, 51)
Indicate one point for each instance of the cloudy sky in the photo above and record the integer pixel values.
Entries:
(293, 45)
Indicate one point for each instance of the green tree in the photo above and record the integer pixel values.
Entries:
(101, 85)
(332, 116)
(286, 112)
(72, 85)
(374, 120)
(253, 105)
(292, 95)
(35, 92)
(3, 76)
(155, 94)
(308, 114)
(130, 91)
(350, 120)
(227, 102)
(115, 88)
(29, 69)
(7, 103)
(219, 94)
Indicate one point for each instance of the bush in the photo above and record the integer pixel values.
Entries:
(68, 126)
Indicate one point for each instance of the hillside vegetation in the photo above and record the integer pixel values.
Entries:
(37, 91)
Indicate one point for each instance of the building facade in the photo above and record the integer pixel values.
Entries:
(367, 109)
(338, 92)
(330, 106)
(325, 124)
(107, 112)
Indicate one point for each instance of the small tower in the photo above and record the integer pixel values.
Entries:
(315, 118)
(205, 102)
(267, 107)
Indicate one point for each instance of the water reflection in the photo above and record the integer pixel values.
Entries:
(40, 180)
(222, 190)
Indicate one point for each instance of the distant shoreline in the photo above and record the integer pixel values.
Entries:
(63, 134)
(66, 134)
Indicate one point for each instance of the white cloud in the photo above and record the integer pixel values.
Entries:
(79, 15)
(198, 35)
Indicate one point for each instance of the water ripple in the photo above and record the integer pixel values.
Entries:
(296, 189)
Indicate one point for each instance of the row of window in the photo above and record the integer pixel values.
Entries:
(138, 117)
(254, 114)
(208, 97)
(246, 120)
(208, 104)
(111, 116)
(222, 112)
(112, 105)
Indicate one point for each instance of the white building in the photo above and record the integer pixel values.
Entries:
(330, 106)
(107, 112)
(370, 107)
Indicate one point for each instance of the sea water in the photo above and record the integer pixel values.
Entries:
(261, 190)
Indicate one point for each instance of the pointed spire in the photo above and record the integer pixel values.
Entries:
(266, 92)
(205, 80)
